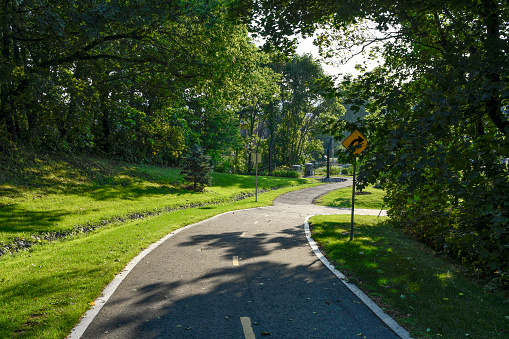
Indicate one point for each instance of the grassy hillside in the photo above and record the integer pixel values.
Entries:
(42, 195)
(47, 287)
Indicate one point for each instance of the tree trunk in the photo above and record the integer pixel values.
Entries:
(6, 117)
(105, 123)
(494, 55)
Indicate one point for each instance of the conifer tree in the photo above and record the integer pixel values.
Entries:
(197, 168)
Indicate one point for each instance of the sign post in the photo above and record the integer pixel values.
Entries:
(353, 196)
(355, 143)
(258, 158)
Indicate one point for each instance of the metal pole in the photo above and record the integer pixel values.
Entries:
(256, 180)
(328, 158)
(328, 164)
(353, 196)
(332, 147)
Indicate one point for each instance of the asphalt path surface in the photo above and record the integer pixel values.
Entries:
(243, 274)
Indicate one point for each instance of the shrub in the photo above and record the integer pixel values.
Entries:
(481, 234)
(285, 172)
(334, 170)
(475, 231)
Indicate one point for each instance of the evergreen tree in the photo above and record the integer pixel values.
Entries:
(197, 168)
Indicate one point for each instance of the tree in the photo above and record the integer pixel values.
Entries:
(465, 36)
(197, 168)
(438, 122)
(118, 78)
(261, 89)
(300, 109)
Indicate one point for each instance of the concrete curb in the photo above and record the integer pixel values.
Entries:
(391, 323)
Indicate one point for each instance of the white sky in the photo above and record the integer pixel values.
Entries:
(306, 46)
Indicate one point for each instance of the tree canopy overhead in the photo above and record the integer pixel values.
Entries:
(462, 38)
(439, 118)
(95, 75)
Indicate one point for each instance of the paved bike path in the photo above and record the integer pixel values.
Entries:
(242, 274)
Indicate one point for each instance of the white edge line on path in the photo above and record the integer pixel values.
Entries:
(393, 325)
(108, 291)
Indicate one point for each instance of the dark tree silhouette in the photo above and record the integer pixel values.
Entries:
(197, 168)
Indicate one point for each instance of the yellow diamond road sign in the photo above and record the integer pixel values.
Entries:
(356, 142)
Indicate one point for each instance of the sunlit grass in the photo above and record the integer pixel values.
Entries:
(64, 198)
(372, 198)
(45, 291)
(431, 296)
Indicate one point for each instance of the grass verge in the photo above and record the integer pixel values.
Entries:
(430, 296)
(371, 198)
(45, 291)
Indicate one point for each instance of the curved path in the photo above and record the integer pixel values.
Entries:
(242, 274)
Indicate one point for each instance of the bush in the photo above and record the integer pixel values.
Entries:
(334, 170)
(473, 228)
(424, 213)
(481, 234)
(225, 165)
(285, 172)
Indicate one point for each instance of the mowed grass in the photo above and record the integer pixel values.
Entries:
(430, 296)
(44, 291)
(55, 196)
(370, 198)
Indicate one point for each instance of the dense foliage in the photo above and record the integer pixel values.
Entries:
(82, 75)
(144, 81)
(438, 125)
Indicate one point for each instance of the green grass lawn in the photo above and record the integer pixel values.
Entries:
(57, 197)
(431, 296)
(371, 198)
(44, 291)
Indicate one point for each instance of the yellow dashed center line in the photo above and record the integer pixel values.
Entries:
(246, 327)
